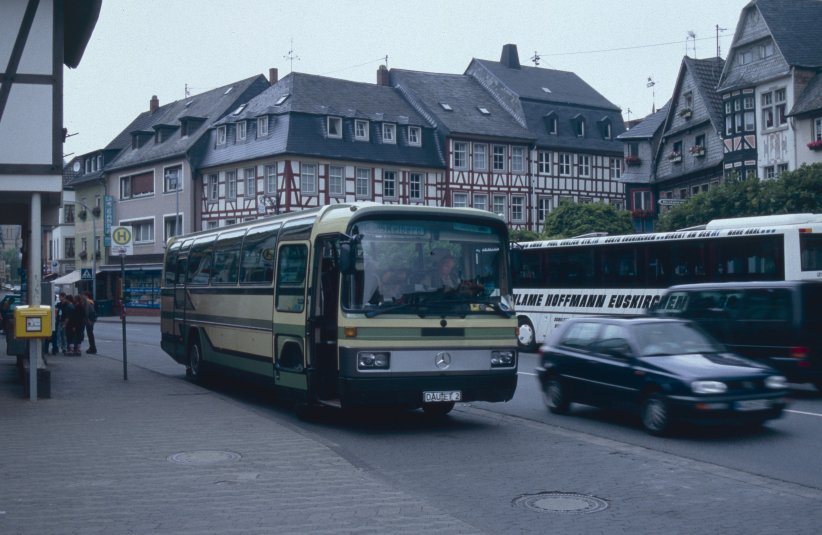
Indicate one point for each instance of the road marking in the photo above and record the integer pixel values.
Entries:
(526, 373)
(803, 412)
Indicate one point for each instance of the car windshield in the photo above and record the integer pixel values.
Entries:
(673, 338)
(431, 267)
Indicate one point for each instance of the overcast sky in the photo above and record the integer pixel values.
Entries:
(158, 47)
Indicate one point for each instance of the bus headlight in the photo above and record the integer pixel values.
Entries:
(503, 359)
(373, 360)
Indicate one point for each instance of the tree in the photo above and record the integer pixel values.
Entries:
(793, 192)
(517, 235)
(570, 219)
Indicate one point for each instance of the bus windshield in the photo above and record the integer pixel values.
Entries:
(431, 267)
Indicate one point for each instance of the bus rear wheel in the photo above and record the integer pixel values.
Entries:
(526, 336)
(437, 409)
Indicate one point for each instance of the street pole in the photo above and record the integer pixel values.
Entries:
(123, 312)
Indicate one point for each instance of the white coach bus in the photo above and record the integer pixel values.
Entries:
(589, 275)
(349, 305)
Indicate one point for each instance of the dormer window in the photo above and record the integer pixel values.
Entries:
(281, 100)
(446, 106)
(551, 123)
(579, 126)
(221, 135)
(389, 133)
(361, 130)
(241, 130)
(334, 127)
(262, 126)
(605, 128)
(414, 136)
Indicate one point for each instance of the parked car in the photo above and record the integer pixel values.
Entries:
(669, 369)
(777, 323)
(7, 305)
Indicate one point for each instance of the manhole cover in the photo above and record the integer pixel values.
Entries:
(561, 502)
(204, 457)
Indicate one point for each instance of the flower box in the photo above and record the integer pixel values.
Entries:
(83, 255)
(96, 211)
(632, 160)
(675, 157)
(685, 113)
(642, 214)
(698, 150)
(815, 145)
(82, 214)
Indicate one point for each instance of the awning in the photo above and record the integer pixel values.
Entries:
(68, 278)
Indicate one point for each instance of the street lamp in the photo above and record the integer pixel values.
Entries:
(93, 250)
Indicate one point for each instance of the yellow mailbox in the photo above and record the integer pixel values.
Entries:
(32, 321)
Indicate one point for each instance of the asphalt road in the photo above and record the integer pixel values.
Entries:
(785, 450)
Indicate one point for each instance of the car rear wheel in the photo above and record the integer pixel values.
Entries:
(437, 409)
(656, 415)
(556, 398)
(526, 336)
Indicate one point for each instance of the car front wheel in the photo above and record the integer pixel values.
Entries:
(556, 397)
(656, 415)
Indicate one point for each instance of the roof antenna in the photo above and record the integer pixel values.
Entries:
(291, 56)
(718, 29)
(535, 58)
(692, 36)
(651, 84)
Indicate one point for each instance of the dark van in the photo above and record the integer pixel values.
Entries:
(777, 323)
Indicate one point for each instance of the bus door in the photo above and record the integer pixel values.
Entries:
(322, 318)
(289, 318)
(180, 302)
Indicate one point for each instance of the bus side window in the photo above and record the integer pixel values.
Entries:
(291, 267)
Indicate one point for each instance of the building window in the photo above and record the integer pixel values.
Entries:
(766, 49)
(271, 179)
(551, 124)
(544, 162)
(240, 128)
(480, 156)
(543, 208)
(250, 175)
(334, 127)
(770, 171)
(212, 187)
(262, 126)
(389, 133)
(481, 201)
(69, 245)
(499, 204)
(172, 178)
(817, 129)
(335, 180)
(211, 225)
(499, 157)
(141, 231)
(579, 128)
(362, 183)
(606, 130)
(414, 136)
(745, 56)
(584, 165)
(134, 186)
(231, 184)
(460, 155)
(389, 184)
(616, 168)
(774, 108)
(68, 211)
(781, 168)
(170, 229)
(308, 179)
(415, 186)
(361, 130)
(517, 208)
(564, 164)
(221, 135)
(460, 200)
(642, 200)
(517, 159)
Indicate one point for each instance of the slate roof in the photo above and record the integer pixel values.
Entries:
(649, 126)
(810, 100)
(565, 87)
(465, 96)
(210, 106)
(795, 26)
(706, 74)
(298, 124)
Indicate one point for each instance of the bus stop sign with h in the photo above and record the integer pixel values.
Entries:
(122, 243)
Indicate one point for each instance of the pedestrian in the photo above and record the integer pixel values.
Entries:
(59, 341)
(90, 319)
(68, 324)
(77, 321)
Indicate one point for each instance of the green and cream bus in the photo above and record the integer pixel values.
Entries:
(344, 305)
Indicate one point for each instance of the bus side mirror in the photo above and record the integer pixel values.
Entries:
(347, 260)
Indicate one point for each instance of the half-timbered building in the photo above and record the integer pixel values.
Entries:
(311, 140)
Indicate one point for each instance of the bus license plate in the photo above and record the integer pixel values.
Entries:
(753, 405)
(442, 397)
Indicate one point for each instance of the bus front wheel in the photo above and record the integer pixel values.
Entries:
(194, 370)
(526, 336)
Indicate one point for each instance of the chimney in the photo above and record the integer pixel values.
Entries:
(154, 104)
(273, 76)
(382, 76)
(510, 57)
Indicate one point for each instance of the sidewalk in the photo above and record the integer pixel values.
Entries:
(160, 455)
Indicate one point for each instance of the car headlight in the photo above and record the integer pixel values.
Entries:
(709, 387)
(373, 360)
(503, 359)
(776, 382)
